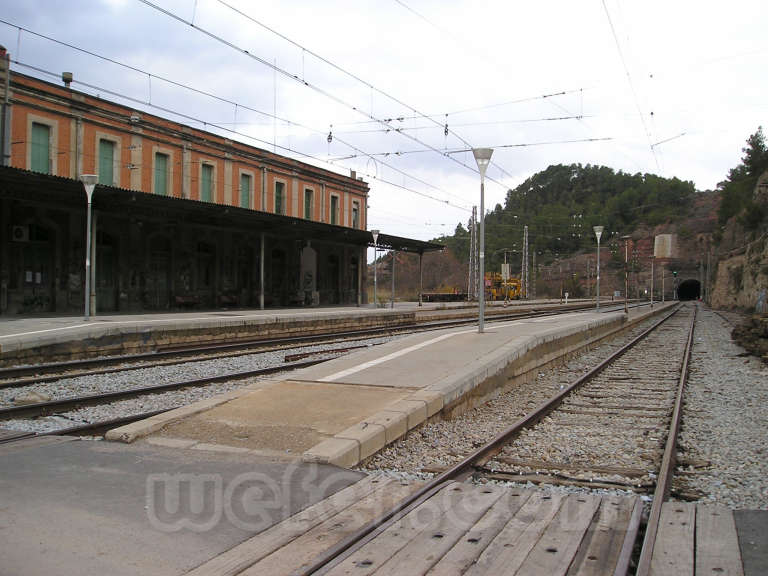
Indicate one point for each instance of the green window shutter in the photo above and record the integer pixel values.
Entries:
(206, 184)
(161, 174)
(279, 197)
(335, 210)
(308, 204)
(245, 191)
(106, 162)
(41, 148)
(355, 215)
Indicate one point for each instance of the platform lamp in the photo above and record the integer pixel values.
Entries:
(89, 183)
(483, 158)
(375, 234)
(598, 233)
(626, 271)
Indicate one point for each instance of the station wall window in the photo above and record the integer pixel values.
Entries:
(106, 162)
(355, 214)
(308, 194)
(279, 198)
(40, 160)
(245, 190)
(161, 173)
(334, 210)
(206, 183)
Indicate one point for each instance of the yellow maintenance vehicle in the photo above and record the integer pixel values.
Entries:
(498, 289)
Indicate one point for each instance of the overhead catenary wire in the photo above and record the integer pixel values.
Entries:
(497, 146)
(631, 84)
(466, 124)
(231, 131)
(313, 86)
(548, 97)
(221, 126)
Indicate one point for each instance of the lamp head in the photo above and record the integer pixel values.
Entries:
(483, 158)
(598, 231)
(89, 182)
(375, 234)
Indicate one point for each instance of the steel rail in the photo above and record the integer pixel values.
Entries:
(63, 404)
(92, 428)
(61, 376)
(466, 467)
(37, 373)
(664, 481)
(96, 428)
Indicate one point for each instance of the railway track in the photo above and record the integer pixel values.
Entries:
(609, 429)
(90, 429)
(15, 376)
(616, 396)
(67, 401)
(51, 407)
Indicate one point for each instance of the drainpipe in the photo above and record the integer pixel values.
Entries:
(264, 191)
(421, 278)
(261, 271)
(5, 118)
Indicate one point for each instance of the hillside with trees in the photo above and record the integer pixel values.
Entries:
(737, 198)
(561, 204)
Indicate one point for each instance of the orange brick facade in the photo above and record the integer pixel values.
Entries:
(77, 123)
(182, 218)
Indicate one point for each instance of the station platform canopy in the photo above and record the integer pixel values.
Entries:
(57, 190)
(389, 242)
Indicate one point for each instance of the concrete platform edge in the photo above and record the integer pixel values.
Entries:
(353, 445)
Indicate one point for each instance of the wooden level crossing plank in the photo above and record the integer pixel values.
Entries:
(554, 552)
(562, 466)
(254, 549)
(601, 413)
(557, 480)
(673, 551)
(603, 543)
(604, 407)
(376, 552)
(717, 544)
(507, 552)
(300, 553)
(464, 553)
(411, 547)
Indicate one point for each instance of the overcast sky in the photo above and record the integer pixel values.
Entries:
(668, 87)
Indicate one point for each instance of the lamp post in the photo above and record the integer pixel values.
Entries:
(375, 254)
(598, 233)
(626, 272)
(651, 281)
(89, 183)
(392, 298)
(483, 158)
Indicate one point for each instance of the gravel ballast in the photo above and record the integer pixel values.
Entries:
(724, 434)
(153, 376)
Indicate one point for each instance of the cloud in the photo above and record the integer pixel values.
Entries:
(696, 66)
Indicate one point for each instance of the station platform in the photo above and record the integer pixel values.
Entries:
(345, 410)
(92, 508)
(29, 340)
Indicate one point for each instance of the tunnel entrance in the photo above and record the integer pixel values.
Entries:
(689, 290)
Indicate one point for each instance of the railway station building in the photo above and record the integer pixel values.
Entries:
(182, 218)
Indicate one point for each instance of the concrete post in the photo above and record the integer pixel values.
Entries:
(394, 255)
(421, 278)
(92, 294)
(261, 271)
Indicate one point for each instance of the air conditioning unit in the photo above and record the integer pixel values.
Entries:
(20, 233)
